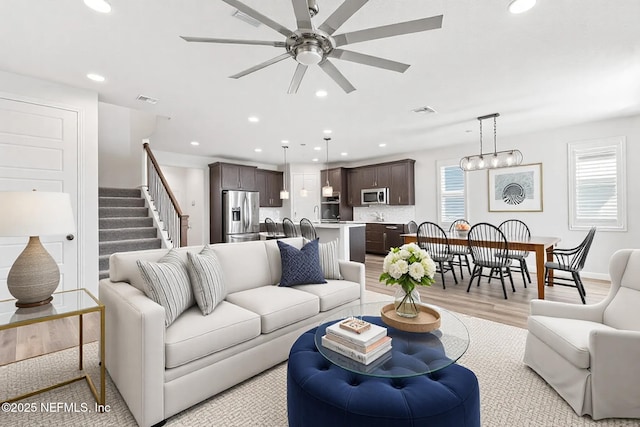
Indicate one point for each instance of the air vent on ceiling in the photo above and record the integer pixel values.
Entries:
(147, 99)
(246, 18)
(425, 110)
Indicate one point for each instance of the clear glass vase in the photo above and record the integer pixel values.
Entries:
(407, 304)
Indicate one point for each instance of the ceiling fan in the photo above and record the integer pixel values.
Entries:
(309, 45)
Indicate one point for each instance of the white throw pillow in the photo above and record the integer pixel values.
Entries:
(207, 279)
(329, 260)
(167, 283)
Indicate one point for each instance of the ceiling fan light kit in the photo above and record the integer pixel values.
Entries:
(309, 45)
(495, 160)
(521, 6)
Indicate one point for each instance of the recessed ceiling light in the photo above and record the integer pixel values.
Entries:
(327, 131)
(314, 160)
(520, 6)
(317, 148)
(284, 141)
(258, 150)
(382, 145)
(344, 154)
(101, 6)
(321, 93)
(95, 77)
(195, 143)
(254, 119)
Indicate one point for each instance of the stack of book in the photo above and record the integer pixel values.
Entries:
(356, 339)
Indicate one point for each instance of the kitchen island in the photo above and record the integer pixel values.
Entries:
(350, 236)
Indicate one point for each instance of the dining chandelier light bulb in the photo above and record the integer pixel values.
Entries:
(284, 194)
(495, 160)
(327, 190)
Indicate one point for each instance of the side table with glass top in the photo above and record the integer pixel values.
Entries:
(76, 302)
(411, 353)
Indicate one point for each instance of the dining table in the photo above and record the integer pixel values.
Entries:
(539, 245)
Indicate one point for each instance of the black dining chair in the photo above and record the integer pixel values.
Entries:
(289, 228)
(514, 229)
(571, 261)
(488, 245)
(461, 252)
(307, 229)
(439, 252)
(272, 228)
(412, 227)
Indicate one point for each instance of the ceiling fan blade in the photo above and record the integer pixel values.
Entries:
(233, 41)
(260, 17)
(301, 10)
(262, 65)
(341, 14)
(297, 78)
(374, 61)
(337, 76)
(408, 27)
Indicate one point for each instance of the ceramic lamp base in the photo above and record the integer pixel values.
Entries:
(34, 275)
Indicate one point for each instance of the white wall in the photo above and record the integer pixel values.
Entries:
(187, 185)
(120, 134)
(86, 102)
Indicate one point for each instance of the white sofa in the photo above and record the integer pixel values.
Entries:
(161, 371)
(589, 353)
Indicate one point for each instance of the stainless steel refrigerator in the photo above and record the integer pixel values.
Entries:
(240, 216)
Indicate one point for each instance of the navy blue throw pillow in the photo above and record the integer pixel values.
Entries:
(300, 266)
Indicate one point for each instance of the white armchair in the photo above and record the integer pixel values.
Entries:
(589, 353)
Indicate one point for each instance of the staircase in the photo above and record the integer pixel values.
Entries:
(124, 225)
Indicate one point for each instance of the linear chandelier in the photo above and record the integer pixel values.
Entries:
(497, 159)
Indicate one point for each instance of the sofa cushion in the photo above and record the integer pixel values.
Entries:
(300, 266)
(193, 335)
(273, 253)
(167, 283)
(244, 265)
(277, 306)
(207, 280)
(328, 253)
(569, 337)
(334, 293)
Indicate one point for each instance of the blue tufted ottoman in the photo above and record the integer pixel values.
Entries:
(320, 394)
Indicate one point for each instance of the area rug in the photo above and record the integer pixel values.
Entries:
(511, 394)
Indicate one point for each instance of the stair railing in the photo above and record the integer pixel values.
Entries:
(175, 222)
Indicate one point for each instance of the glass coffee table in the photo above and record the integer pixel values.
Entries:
(412, 353)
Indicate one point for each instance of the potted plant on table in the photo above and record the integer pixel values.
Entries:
(407, 266)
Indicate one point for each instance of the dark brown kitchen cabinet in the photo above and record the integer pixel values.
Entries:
(381, 237)
(335, 178)
(237, 177)
(402, 185)
(375, 176)
(354, 185)
(269, 183)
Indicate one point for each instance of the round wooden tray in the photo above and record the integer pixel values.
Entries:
(427, 320)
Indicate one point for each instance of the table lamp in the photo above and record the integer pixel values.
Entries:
(34, 275)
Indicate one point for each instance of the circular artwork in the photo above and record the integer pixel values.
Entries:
(513, 194)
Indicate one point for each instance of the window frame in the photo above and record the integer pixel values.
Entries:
(440, 164)
(618, 144)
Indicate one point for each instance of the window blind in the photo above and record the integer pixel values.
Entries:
(452, 194)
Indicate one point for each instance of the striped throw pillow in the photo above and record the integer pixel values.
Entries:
(167, 283)
(206, 279)
(329, 260)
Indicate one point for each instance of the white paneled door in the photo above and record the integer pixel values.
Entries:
(39, 150)
(303, 207)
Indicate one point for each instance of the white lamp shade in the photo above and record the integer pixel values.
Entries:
(35, 213)
(284, 194)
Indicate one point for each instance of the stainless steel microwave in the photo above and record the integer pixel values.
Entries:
(374, 196)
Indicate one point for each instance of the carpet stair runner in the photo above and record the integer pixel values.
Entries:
(124, 224)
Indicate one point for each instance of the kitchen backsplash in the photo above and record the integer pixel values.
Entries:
(385, 213)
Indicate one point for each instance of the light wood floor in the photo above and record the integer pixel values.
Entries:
(486, 301)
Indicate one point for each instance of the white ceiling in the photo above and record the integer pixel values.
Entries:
(562, 63)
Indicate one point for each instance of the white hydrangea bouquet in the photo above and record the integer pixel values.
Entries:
(408, 266)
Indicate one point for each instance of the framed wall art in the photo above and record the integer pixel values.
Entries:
(516, 189)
